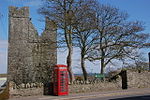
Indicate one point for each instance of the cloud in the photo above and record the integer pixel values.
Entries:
(3, 44)
(76, 66)
(3, 61)
(3, 56)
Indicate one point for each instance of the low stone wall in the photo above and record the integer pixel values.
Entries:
(29, 89)
(138, 80)
(95, 87)
(134, 80)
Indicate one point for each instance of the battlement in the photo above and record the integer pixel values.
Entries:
(18, 12)
(50, 24)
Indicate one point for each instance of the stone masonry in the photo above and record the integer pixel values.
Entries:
(134, 79)
(30, 56)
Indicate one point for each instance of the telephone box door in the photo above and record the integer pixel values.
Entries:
(60, 80)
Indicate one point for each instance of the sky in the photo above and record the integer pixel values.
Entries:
(137, 10)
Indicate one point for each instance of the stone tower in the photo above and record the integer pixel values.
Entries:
(30, 57)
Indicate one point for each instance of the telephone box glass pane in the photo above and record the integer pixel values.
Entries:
(55, 81)
(63, 81)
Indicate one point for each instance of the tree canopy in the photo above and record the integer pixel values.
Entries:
(102, 32)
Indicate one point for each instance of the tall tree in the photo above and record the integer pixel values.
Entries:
(61, 11)
(65, 12)
(84, 36)
(118, 38)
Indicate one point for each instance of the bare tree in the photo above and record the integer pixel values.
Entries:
(100, 31)
(61, 11)
(65, 12)
(84, 36)
(84, 39)
(147, 45)
(118, 38)
(139, 63)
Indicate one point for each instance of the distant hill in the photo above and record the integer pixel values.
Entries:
(3, 75)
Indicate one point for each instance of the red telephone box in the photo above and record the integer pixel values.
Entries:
(60, 80)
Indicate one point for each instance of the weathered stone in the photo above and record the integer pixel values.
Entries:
(21, 86)
(34, 85)
(30, 57)
(31, 85)
(135, 80)
(27, 85)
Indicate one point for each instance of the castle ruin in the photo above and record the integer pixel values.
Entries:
(30, 56)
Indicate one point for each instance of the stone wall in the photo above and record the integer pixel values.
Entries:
(29, 89)
(30, 56)
(95, 87)
(138, 80)
(134, 78)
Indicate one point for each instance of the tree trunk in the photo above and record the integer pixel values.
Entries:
(102, 62)
(149, 60)
(102, 66)
(68, 39)
(69, 63)
(83, 68)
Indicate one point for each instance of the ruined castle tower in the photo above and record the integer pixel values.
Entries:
(30, 56)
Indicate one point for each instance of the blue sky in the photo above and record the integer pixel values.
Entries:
(137, 10)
